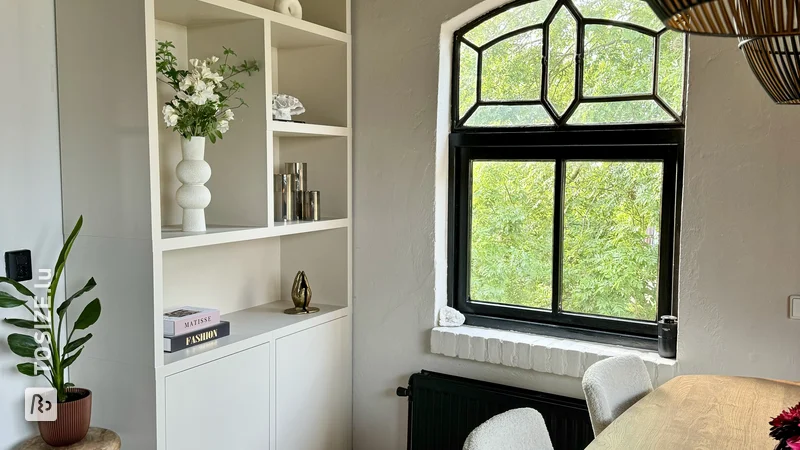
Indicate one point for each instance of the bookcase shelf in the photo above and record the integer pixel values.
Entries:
(288, 32)
(190, 13)
(172, 238)
(295, 129)
(249, 328)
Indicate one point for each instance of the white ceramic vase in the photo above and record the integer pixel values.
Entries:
(193, 171)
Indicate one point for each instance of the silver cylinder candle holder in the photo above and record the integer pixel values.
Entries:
(284, 197)
(300, 172)
(311, 205)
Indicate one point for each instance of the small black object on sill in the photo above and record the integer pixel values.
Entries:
(667, 336)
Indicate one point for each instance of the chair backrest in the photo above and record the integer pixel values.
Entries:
(612, 385)
(517, 429)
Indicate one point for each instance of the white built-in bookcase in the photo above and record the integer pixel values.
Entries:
(118, 171)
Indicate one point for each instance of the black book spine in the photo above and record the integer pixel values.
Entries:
(176, 343)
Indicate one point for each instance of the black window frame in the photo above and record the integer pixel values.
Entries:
(560, 143)
(663, 145)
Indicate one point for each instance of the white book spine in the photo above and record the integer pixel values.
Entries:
(191, 323)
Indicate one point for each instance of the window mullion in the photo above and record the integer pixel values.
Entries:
(478, 81)
(455, 81)
(579, 50)
(558, 233)
(656, 56)
(667, 236)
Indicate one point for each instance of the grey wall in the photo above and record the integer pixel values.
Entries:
(30, 209)
(741, 223)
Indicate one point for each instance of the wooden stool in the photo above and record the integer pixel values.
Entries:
(96, 439)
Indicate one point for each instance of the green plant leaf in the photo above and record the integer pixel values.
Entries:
(89, 286)
(9, 301)
(63, 308)
(22, 345)
(76, 344)
(69, 385)
(68, 362)
(28, 369)
(19, 287)
(62, 257)
(89, 315)
(21, 323)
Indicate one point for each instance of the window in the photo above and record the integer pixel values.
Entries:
(565, 159)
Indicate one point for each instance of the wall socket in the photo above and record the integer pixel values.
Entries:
(794, 307)
(18, 265)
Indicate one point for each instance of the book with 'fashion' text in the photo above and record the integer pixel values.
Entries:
(175, 343)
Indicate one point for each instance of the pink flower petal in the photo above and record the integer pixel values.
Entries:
(793, 443)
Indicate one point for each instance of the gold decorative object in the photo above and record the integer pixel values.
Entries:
(734, 18)
(775, 61)
(301, 296)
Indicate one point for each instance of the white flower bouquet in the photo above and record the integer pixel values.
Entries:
(201, 104)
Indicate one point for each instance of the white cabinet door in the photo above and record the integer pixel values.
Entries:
(313, 388)
(220, 405)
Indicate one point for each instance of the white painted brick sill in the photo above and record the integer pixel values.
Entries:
(539, 353)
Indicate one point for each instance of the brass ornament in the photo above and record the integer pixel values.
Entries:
(301, 296)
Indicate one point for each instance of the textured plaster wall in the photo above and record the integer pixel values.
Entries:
(30, 211)
(740, 249)
(741, 219)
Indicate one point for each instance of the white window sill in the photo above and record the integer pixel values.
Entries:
(539, 353)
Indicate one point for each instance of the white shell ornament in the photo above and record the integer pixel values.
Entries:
(285, 106)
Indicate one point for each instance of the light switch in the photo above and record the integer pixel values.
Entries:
(794, 307)
(18, 265)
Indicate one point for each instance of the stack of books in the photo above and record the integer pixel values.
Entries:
(188, 326)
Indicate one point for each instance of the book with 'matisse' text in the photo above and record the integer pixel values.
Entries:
(187, 319)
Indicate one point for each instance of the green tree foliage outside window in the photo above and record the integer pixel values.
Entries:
(616, 61)
(612, 210)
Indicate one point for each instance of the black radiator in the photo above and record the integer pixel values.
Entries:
(444, 409)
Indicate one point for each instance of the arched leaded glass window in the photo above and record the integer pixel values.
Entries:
(565, 165)
(568, 62)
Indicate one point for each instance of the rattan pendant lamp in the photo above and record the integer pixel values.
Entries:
(775, 61)
(734, 18)
(768, 32)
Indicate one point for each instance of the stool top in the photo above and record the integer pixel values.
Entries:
(96, 439)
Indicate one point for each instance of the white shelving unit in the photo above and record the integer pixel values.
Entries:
(118, 171)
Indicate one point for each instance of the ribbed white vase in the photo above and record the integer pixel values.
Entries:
(193, 171)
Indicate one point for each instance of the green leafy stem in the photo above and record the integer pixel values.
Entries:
(45, 345)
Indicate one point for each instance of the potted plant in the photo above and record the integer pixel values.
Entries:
(199, 110)
(54, 347)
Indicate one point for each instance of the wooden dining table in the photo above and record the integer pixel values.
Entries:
(702, 412)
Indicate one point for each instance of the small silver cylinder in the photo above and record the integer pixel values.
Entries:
(284, 197)
(311, 205)
(300, 172)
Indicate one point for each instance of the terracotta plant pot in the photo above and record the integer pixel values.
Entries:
(73, 420)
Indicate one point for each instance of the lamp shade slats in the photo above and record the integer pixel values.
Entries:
(741, 18)
(775, 61)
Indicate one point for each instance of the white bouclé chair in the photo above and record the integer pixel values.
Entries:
(517, 429)
(612, 386)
